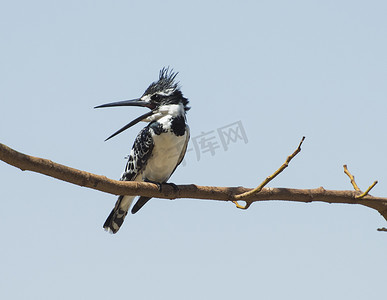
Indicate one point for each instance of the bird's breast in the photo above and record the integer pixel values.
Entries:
(166, 154)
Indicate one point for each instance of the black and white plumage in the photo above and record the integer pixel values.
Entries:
(159, 147)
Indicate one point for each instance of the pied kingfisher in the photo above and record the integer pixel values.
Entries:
(159, 147)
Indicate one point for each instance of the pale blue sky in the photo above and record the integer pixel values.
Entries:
(283, 68)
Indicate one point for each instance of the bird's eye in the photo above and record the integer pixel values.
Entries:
(155, 97)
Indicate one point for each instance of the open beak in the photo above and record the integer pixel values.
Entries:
(135, 102)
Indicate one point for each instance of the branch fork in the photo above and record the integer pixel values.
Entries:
(356, 187)
(246, 195)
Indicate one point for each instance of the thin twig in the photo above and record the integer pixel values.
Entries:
(245, 195)
(367, 190)
(355, 186)
(352, 178)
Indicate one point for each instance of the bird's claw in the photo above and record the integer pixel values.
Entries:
(160, 185)
(174, 186)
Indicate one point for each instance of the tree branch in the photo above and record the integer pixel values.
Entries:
(248, 194)
(104, 184)
(353, 182)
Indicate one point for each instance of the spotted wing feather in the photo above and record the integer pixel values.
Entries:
(139, 155)
(138, 158)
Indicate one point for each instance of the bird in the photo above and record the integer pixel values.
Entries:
(159, 147)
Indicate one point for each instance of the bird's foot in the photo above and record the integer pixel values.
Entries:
(160, 185)
(174, 186)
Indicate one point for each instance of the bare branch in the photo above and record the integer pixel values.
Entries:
(104, 184)
(245, 195)
(352, 178)
(367, 190)
(362, 195)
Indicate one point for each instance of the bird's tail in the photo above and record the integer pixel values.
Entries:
(140, 203)
(118, 214)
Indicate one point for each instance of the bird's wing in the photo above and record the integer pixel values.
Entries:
(139, 155)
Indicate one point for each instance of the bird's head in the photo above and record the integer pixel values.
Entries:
(162, 97)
